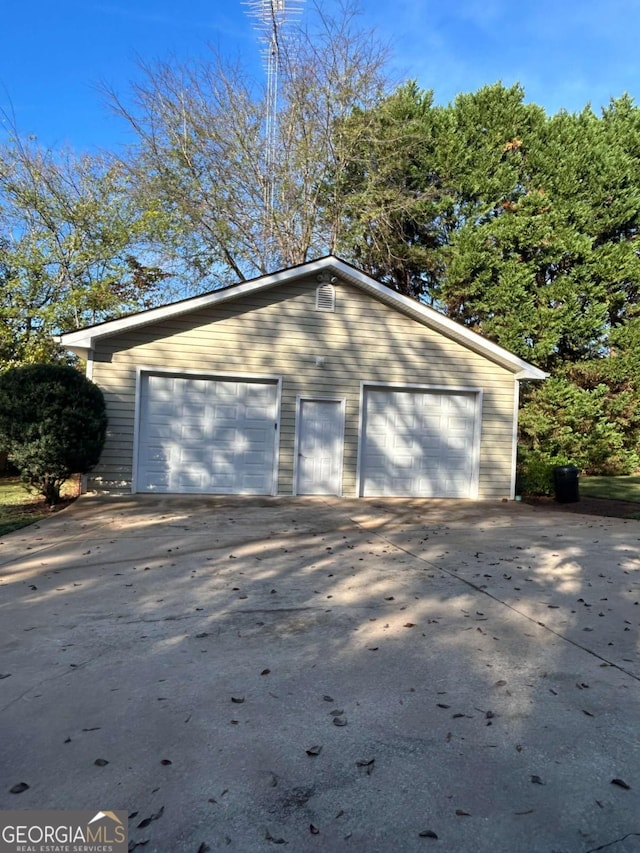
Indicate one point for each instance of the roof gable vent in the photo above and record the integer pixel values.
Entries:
(325, 297)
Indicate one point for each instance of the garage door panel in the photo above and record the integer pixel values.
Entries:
(225, 411)
(418, 443)
(192, 432)
(156, 481)
(203, 435)
(190, 480)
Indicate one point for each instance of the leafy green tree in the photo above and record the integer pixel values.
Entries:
(52, 424)
(71, 239)
(392, 192)
(422, 179)
(554, 267)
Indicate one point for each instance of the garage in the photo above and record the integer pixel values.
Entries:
(207, 435)
(372, 392)
(420, 442)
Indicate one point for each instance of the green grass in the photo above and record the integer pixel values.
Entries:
(18, 507)
(612, 488)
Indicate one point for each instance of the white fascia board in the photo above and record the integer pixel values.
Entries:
(84, 339)
(531, 373)
(83, 350)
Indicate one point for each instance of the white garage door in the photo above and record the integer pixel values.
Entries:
(420, 443)
(210, 436)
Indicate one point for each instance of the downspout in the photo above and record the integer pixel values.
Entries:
(514, 448)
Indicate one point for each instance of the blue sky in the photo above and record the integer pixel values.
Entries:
(565, 54)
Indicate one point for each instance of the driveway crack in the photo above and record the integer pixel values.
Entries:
(495, 598)
(611, 843)
(56, 676)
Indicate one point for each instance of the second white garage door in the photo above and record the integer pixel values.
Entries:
(204, 435)
(420, 443)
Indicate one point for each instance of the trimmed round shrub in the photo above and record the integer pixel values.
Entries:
(53, 424)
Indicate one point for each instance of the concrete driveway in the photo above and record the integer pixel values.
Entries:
(326, 674)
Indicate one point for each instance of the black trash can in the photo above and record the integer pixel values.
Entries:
(565, 481)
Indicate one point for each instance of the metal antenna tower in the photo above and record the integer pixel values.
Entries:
(271, 18)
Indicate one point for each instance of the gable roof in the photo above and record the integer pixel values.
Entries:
(83, 341)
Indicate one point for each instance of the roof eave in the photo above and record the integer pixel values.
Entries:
(532, 372)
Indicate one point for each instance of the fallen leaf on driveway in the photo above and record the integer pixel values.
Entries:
(265, 672)
(314, 829)
(536, 780)
(621, 784)
(428, 833)
(409, 625)
(237, 699)
(462, 813)
(315, 750)
(150, 819)
(269, 837)
(4, 675)
(204, 848)
(339, 721)
(19, 788)
(366, 764)
(101, 762)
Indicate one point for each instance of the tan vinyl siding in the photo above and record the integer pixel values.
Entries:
(279, 332)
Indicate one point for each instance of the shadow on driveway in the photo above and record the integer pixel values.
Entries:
(326, 674)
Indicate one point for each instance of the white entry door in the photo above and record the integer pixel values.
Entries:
(320, 447)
